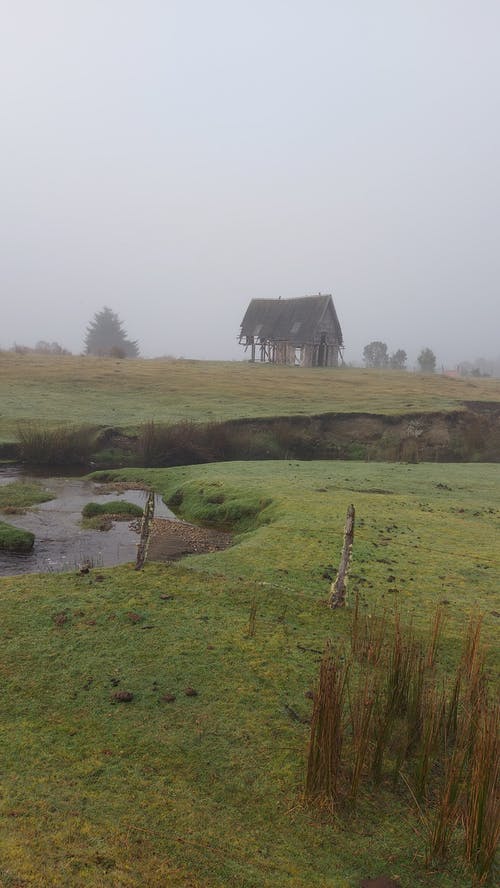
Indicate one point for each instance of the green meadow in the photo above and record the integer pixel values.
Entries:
(108, 392)
(206, 789)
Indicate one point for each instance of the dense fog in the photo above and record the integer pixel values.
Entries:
(173, 160)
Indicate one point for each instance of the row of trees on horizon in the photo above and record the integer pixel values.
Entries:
(106, 337)
(376, 356)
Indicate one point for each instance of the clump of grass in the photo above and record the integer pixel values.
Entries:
(100, 516)
(327, 730)
(215, 506)
(452, 712)
(446, 812)
(118, 508)
(383, 727)
(402, 661)
(401, 694)
(18, 495)
(447, 740)
(64, 445)
(481, 808)
(436, 633)
(168, 444)
(415, 709)
(362, 710)
(426, 752)
(175, 500)
(368, 635)
(13, 539)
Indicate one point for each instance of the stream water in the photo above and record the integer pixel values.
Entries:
(60, 541)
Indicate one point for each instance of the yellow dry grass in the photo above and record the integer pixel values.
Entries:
(72, 389)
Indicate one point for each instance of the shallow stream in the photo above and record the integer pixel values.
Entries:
(60, 541)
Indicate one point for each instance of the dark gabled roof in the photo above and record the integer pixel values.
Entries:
(294, 320)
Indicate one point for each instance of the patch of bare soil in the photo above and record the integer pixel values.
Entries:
(171, 540)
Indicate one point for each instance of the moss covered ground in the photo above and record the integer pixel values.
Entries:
(206, 790)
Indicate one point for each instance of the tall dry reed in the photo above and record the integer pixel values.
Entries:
(63, 445)
(327, 730)
(394, 715)
(482, 803)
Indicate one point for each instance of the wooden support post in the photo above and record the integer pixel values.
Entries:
(338, 588)
(147, 517)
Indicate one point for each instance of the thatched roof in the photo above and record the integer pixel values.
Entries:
(293, 320)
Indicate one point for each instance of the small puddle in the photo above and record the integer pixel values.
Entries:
(61, 544)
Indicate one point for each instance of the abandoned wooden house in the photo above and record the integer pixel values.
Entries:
(304, 331)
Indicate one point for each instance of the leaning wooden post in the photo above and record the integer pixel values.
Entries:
(338, 588)
(147, 517)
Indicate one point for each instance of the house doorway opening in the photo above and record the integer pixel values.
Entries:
(323, 351)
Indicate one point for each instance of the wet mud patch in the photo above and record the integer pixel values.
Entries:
(171, 540)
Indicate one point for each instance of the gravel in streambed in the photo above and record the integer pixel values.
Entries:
(173, 539)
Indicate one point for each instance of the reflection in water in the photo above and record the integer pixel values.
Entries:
(60, 542)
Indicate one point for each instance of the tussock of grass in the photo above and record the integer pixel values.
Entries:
(13, 539)
(100, 516)
(218, 505)
(116, 507)
(17, 496)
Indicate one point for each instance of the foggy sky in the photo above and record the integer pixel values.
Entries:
(174, 158)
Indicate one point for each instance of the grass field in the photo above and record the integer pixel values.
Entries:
(206, 790)
(107, 392)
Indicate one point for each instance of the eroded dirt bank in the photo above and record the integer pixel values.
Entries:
(458, 436)
(468, 435)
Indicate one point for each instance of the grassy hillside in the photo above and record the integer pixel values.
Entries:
(126, 393)
(205, 790)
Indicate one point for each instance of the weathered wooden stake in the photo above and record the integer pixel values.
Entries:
(338, 588)
(147, 517)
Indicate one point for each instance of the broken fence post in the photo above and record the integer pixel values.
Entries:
(338, 588)
(147, 517)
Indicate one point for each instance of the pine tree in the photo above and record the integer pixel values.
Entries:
(427, 361)
(105, 336)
